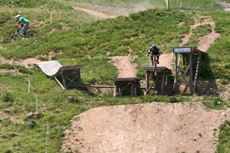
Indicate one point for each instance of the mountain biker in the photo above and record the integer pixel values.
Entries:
(154, 50)
(21, 21)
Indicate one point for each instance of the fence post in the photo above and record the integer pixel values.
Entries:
(180, 4)
(50, 17)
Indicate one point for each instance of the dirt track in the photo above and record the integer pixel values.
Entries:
(147, 128)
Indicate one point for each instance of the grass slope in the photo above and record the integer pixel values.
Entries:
(40, 19)
(89, 44)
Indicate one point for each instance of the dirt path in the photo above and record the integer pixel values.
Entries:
(153, 127)
(124, 66)
(96, 13)
(29, 62)
(204, 42)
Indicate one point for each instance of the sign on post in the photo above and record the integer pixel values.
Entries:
(182, 50)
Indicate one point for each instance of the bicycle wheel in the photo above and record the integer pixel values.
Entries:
(155, 65)
(33, 33)
(14, 38)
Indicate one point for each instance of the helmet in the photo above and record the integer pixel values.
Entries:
(18, 16)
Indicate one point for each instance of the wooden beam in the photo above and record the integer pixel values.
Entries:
(59, 83)
(185, 79)
(176, 76)
(123, 89)
(116, 90)
(184, 75)
(196, 73)
(71, 81)
(191, 74)
(147, 82)
(153, 83)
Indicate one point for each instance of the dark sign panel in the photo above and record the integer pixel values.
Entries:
(182, 50)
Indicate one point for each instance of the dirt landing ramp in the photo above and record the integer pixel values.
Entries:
(146, 128)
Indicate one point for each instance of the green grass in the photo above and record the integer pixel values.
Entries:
(197, 33)
(40, 20)
(224, 136)
(87, 43)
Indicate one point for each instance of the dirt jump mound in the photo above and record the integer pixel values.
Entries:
(153, 127)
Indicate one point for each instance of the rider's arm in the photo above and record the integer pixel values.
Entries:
(148, 53)
(19, 22)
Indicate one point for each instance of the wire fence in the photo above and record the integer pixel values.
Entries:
(176, 4)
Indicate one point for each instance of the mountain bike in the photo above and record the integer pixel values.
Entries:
(15, 37)
(154, 65)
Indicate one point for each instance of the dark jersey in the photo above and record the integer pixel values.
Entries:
(154, 49)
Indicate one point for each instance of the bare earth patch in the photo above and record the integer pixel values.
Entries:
(96, 13)
(124, 66)
(29, 62)
(153, 127)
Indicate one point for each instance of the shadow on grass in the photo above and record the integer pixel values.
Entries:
(206, 84)
(73, 86)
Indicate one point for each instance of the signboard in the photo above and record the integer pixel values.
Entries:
(182, 50)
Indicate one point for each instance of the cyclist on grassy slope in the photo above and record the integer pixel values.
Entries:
(154, 50)
(22, 21)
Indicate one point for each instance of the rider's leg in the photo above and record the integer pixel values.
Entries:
(157, 59)
(151, 59)
(26, 28)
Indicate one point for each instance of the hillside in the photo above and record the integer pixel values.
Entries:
(80, 40)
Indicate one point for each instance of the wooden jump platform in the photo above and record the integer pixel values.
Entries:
(128, 84)
(187, 54)
(159, 82)
(71, 75)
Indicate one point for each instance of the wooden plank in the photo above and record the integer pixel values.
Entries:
(71, 67)
(64, 81)
(147, 82)
(79, 77)
(184, 75)
(154, 83)
(124, 79)
(71, 81)
(123, 89)
(157, 68)
(185, 79)
(176, 76)
(115, 91)
(96, 86)
(196, 73)
(59, 83)
(191, 74)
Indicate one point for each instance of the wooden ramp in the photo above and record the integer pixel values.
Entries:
(159, 82)
(50, 68)
(185, 81)
(71, 76)
(128, 84)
